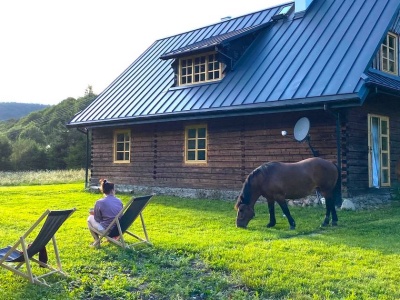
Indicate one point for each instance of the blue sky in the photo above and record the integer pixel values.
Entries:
(53, 49)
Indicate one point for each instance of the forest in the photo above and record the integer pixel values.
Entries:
(41, 140)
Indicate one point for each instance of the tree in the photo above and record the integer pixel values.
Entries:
(27, 155)
(43, 135)
(5, 153)
(32, 132)
(89, 91)
(76, 158)
(56, 152)
(13, 133)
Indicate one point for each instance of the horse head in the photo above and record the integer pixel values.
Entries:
(245, 204)
(244, 213)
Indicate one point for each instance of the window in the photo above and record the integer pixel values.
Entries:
(198, 69)
(389, 51)
(379, 151)
(122, 146)
(196, 144)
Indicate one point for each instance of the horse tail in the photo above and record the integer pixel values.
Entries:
(337, 190)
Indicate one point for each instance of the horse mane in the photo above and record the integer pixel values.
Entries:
(246, 190)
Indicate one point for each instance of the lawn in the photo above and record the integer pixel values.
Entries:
(198, 253)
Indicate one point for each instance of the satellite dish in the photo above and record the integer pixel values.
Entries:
(301, 129)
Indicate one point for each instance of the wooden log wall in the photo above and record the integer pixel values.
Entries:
(357, 140)
(235, 147)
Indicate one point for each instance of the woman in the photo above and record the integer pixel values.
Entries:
(105, 209)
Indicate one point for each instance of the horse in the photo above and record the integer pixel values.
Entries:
(278, 181)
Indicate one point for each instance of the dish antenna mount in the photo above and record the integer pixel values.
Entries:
(301, 133)
(301, 129)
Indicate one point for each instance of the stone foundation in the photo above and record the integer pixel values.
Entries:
(359, 202)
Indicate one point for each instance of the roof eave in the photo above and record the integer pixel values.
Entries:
(189, 53)
(281, 106)
(382, 89)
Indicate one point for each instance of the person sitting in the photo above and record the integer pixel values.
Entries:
(104, 210)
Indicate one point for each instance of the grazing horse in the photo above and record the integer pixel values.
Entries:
(278, 181)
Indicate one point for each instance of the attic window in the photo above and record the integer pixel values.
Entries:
(389, 57)
(200, 68)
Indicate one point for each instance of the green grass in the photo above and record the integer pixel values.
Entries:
(198, 253)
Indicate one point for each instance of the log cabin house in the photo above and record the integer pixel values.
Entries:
(198, 111)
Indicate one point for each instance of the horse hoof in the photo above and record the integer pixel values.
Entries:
(292, 227)
(334, 223)
(324, 224)
(270, 225)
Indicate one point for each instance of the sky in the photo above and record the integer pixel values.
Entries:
(54, 49)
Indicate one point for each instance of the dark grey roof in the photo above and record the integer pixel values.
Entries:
(320, 57)
(380, 79)
(214, 41)
(396, 25)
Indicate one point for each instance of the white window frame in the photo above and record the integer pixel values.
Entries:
(389, 54)
(382, 141)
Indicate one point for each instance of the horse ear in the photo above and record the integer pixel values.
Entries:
(237, 205)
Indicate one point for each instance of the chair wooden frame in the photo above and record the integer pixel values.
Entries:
(14, 260)
(114, 233)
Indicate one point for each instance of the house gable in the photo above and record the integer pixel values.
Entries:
(380, 80)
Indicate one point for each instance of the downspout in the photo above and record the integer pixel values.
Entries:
(338, 200)
(86, 132)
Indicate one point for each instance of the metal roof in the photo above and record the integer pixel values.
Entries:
(396, 25)
(317, 57)
(380, 79)
(213, 41)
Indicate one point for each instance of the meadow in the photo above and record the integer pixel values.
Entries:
(41, 177)
(198, 253)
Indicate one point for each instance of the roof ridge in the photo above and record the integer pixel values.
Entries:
(215, 40)
(225, 21)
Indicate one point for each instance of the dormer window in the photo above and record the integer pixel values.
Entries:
(199, 69)
(389, 54)
(209, 60)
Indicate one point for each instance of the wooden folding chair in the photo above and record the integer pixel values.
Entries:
(114, 233)
(19, 261)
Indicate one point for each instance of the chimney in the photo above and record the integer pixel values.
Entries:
(301, 5)
(226, 18)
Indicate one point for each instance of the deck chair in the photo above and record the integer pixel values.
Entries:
(20, 261)
(114, 233)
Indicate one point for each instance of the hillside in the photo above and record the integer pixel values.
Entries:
(40, 140)
(13, 110)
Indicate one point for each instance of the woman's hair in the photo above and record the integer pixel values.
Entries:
(105, 186)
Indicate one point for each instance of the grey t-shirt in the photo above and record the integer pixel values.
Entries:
(106, 209)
